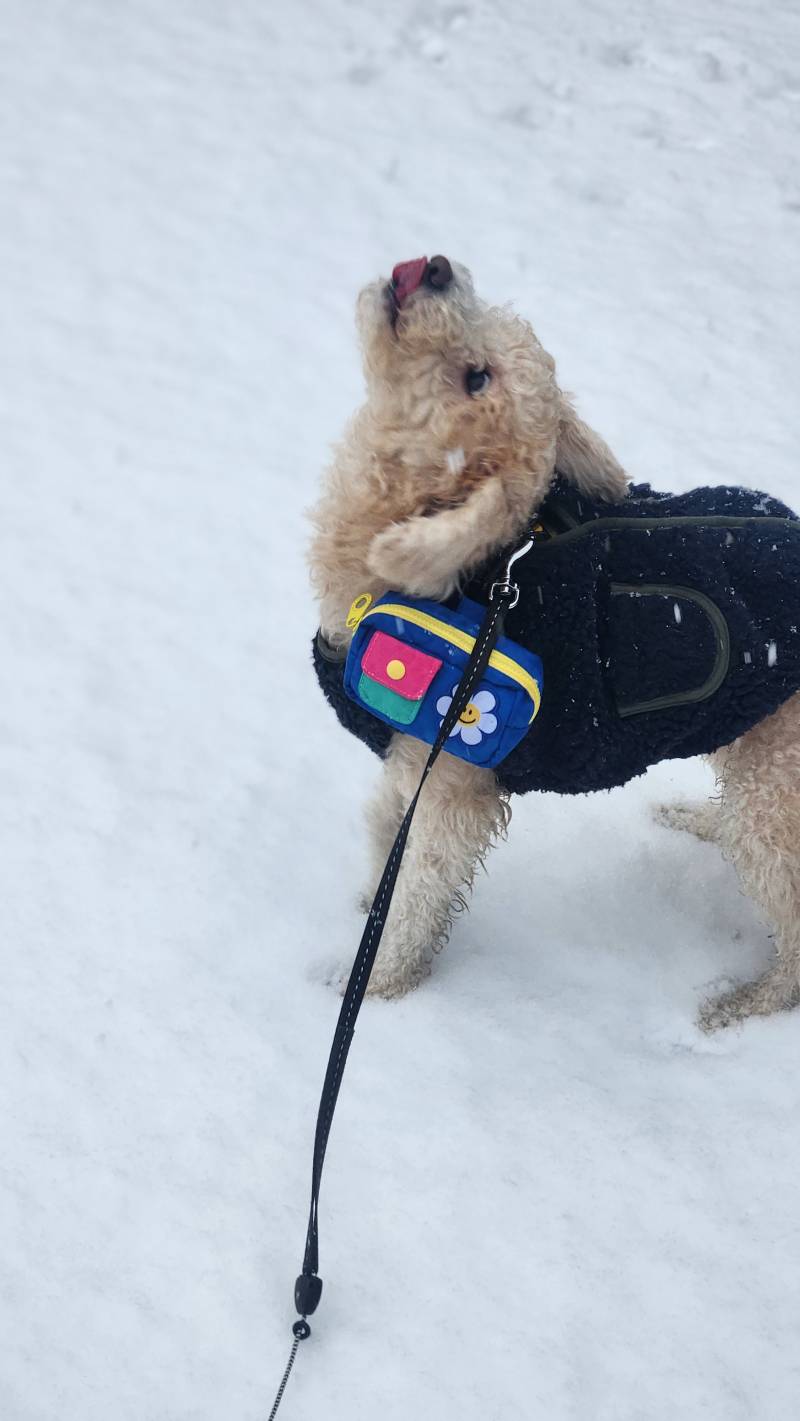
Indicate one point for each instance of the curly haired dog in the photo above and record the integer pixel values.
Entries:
(456, 446)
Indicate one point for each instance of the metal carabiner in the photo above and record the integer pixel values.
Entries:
(506, 586)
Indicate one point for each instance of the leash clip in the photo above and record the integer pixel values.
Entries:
(505, 587)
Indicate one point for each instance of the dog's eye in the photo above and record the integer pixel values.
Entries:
(476, 380)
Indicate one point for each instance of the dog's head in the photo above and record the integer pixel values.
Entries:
(466, 425)
(455, 448)
(461, 392)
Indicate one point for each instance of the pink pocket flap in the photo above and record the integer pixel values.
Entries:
(399, 667)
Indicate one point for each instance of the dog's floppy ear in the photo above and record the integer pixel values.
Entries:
(586, 460)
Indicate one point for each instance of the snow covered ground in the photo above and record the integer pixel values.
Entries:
(547, 1195)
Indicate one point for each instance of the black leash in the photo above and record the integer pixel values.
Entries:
(308, 1287)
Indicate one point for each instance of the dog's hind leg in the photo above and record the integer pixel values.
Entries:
(777, 990)
(702, 818)
(461, 812)
(760, 777)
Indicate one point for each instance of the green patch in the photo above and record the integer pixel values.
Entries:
(380, 698)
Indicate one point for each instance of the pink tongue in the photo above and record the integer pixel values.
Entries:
(407, 276)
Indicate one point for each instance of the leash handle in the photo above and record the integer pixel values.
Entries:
(308, 1288)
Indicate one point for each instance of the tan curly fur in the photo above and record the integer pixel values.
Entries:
(427, 482)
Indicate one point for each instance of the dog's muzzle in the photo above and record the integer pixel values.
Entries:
(408, 277)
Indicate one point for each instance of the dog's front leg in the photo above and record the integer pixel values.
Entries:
(460, 813)
(428, 556)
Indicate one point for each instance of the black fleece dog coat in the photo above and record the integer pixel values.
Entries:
(667, 624)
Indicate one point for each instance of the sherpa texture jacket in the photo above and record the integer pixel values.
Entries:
(667, 625)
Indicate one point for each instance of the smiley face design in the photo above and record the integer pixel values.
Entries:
(476, 719)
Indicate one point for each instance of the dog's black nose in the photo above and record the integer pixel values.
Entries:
(438, 273)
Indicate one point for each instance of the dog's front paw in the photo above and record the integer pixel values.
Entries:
(384, 983)
(400, 557)
(391, 985)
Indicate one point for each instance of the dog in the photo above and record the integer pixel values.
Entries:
(456, 447)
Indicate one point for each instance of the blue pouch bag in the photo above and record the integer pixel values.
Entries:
(406, 659)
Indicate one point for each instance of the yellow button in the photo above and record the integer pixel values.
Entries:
(396, 670)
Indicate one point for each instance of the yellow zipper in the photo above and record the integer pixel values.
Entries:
(464, 642)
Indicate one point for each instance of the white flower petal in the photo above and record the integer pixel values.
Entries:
(457, 729)
(488, 723)
(484, 700)
(471, 734)
(443, 704)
